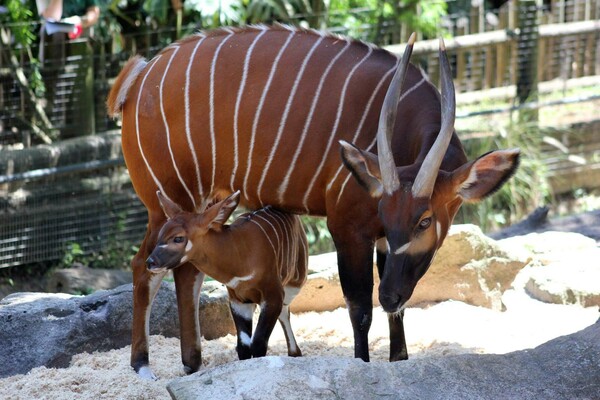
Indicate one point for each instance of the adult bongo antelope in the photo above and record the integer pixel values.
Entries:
(261, 258)
(262, 110)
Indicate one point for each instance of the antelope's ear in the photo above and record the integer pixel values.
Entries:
(219, 213)
(364, 166)
(478, 179)
(169, 207)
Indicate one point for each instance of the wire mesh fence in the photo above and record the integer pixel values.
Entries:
(40, 216)
(43, 219)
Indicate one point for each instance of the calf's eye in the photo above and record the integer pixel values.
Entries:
(178, 239)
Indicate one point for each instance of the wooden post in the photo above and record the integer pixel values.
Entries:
(527, 49)
(87, 117)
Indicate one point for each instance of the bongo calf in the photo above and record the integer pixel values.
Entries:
(261, 258)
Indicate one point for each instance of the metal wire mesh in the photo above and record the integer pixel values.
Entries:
(39, 220)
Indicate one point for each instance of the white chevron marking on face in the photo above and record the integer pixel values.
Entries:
(402, 249)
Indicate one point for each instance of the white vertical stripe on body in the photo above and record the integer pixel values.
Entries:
(286, 235)
(404, 95)
(237, 107)
(267, 236)
(334, 129)
(188, 131)
(211, 101)
(260, 106)
(286, 179)
(137, 130)
(284, 117)
(257, 215)
(363, 119)
(167, 131)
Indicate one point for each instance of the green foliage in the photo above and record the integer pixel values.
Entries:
(526, 190)
(19, 16)
(319, 238)
(354, 17)
(427, 19)
(381, 21)
(115, 255)
(73, 253)
(18, 23)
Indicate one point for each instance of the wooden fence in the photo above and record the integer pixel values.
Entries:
(491, 59)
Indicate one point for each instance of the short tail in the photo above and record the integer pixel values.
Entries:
(126, 79)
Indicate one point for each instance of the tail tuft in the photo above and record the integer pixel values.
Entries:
(126, 79)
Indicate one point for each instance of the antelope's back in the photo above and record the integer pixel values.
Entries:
(282, 234)
(257, 109)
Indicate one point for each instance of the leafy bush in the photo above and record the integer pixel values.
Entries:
(526, 190)
(319, 238)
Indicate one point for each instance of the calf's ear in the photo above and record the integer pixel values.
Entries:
(170, 208)
(219, 213)
(478, 179)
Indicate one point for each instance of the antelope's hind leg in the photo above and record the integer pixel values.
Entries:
(270, 311)
(284, 320)
(242, 314)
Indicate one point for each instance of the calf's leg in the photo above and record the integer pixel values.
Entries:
(284, 319)
(242, 314)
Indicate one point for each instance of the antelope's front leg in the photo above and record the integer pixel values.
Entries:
(188, 283)
(269, 313)
(145, 287)
(242, 314)
(355, 265)
(398, 350)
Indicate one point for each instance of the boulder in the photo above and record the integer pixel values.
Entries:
(84, 280)
(549, 246)
(42, 329)
(469, 267)
(322, 290)
(564, 368)
(576, 281)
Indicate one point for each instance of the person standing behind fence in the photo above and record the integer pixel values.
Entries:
(82, 13)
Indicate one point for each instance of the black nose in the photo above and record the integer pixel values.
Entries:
(390, 302)
(151, 263)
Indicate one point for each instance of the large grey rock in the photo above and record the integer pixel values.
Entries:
(549, 246)
(41, 329)
(572, 281)
(81, 279)
(564, 368)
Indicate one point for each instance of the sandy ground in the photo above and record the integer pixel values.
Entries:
(443, 329)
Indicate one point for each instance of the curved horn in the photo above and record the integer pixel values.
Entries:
(425, 180)
(387, 118)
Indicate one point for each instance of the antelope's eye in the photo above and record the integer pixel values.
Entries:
(178, 239)
(425, 223)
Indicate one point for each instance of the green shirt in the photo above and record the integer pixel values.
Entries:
(77, 7)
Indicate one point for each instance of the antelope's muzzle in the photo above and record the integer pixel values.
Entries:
(157, 262)
(400, 277)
